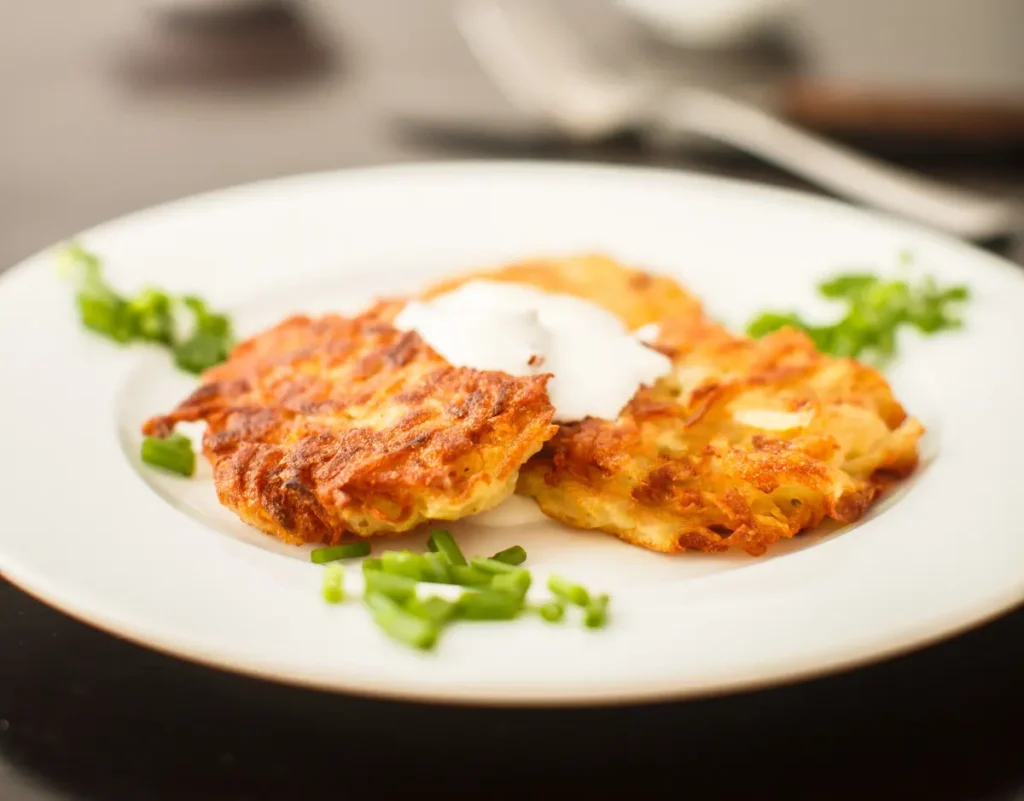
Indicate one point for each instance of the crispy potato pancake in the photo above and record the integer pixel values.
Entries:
(748, 442)
(635, 296)
(322, 428)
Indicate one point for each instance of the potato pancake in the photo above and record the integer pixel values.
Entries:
(318, 429)
(746, 443)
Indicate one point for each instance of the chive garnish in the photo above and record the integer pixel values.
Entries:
(398, 588)
(875, 309)
(173, 453)
(469, 576)
(492, 566)
(405, 563)
(552, 611)
(596, 613)
(334, 579)
(437, 610)
(515, 555)
(517, 582)
(436, 569)
(400, 624)
(146, 317)
(348, 550)
(444, 543)
(489, 605)
(573, 593)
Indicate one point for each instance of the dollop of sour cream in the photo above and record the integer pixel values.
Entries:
(596, 364)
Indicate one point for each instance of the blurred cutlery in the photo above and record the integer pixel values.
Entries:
(545, 70)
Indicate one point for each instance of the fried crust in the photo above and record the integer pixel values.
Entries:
(635, 296)
(318, 429)
(746, 443)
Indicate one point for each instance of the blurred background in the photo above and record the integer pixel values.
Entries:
(108, 106)
(113, 105)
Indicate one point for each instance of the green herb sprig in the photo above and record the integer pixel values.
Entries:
(875, 309)
(147, 317)
(398, 596)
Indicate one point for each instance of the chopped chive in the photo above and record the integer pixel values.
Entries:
(876, 308)
(105, 313)
(214, 324)
(515, 555)
(400, 624)
(571, 592)
(517, 582)
(152, 312)
(436, 569)
(200, 351)
(404, 563)
(469, 576)
(489, 605)
(552, 611)
(444, 543)
(437, 610)
(173, 453)
(596, 613)
(348, 550)
(492, 566)
(334, 580)
(399, 588)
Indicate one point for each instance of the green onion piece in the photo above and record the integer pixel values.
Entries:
(405, 563)
(552, 611)
(469, 576)
(437, 610)
(876, 308)
(517, 583)
(444, 543)
(436, 569)
(173, 453)
(492, 566)
(489, 605)
(596, 613)
(201, 351)
(334, 580)
(847, 285)
(105, 313)
(573, 593)
(398, 588)
(400, 624)
(431, 545)
(153, 319)
(371, 563)
(515, 555)
(216, 325)
(75, 262)
(768, 322)
(348, 550)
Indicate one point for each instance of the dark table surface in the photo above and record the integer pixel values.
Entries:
(104, 112)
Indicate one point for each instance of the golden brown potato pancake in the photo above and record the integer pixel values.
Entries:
(321, 428)
(748, 442)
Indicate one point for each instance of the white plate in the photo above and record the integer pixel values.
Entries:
(155, 559)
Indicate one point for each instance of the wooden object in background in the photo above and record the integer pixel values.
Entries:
(849, 109)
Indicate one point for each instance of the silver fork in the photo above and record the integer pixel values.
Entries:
(543, 68)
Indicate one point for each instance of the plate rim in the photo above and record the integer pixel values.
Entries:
(541, 700)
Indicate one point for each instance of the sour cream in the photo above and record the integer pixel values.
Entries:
(596, 364)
